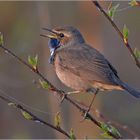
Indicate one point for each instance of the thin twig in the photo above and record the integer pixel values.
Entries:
(118, 31)
(34, 117)
(60, 93)
(106, 120)
(118, 125)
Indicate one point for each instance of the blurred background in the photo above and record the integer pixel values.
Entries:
(21, 23)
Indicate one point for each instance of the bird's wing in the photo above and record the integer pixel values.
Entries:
(87, 63)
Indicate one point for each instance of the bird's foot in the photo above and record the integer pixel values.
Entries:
(85, 113)
(84, 116)
(62, 98)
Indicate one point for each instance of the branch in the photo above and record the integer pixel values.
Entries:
(118, 31)
(30, 116)
(111, 131)
(114, 123)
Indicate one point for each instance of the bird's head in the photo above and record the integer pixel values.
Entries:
(63, 37)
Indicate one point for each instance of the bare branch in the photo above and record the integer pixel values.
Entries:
(34, 117)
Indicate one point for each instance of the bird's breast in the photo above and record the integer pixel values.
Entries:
(67, 76)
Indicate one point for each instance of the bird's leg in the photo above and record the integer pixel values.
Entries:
(68, 93)
(73, 92)
(92, 100)
(95, 93)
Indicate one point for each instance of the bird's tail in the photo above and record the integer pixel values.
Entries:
(130, 90)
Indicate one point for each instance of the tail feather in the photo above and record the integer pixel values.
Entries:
(130, 90)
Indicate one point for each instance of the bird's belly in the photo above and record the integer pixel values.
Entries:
(74, 81)
(69, 79)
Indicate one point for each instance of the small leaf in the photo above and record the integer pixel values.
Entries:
(137, 53)
(115, 132)
(108, 128)
(112, 11)
(125, 33)
(72, 135)
(104, 127)
(57, 119)
(26, 115)
(106, 135)
(33, 61)
(1, 39)
(44, 84)
(133, 3)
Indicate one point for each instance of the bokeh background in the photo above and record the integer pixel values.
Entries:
(21, 23)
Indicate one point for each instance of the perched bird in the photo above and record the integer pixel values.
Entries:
(80, 66)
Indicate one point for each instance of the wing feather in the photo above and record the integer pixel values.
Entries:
(87, 63)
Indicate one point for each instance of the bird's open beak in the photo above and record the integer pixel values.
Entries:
(53, 35)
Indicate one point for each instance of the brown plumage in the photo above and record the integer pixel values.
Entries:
(80, 66)
(77, 67)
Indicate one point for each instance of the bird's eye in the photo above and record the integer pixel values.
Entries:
(61, 35)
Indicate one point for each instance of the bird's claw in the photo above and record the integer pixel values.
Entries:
(84, 115)
(63, 97)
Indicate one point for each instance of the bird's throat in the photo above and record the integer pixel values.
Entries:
(52, 56)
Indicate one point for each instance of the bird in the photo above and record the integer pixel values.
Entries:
(80, 66)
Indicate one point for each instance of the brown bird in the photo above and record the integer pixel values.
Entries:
(80, 66)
